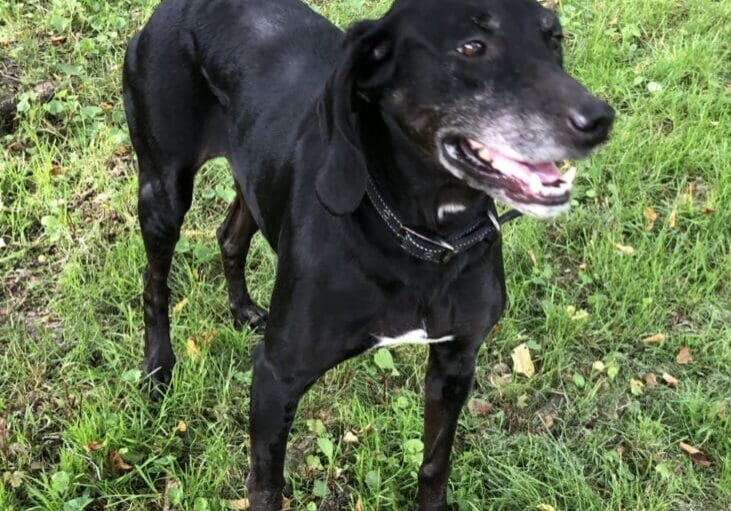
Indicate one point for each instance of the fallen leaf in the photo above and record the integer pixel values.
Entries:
(238, 504)
(192, 349)
(653, 339)
(650, 218)
(650, 380)
(522, 362)
(545, 507)
(500, 380)
(598, 366)
(14, 479)
(548, 421)
(115, 459)
(121, 150)
(684, 357)
(636, 387)
(620, 450)
(670, 380)
(624, 249)
(479, 407)
(93, 446)
(182, 427)
(672, 219)
(57, 40)
(105, 106)
(58, 170)
(180, 306)
(286, 504)
(721, 410)
(695, 455)
(533, 259)
(359, 505)
(350, 438)
(500, 375)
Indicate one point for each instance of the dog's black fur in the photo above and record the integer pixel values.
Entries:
(304, 114)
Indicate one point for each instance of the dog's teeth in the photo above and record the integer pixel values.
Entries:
(474, 145)
(485, 155)
(535, 184)
(569, 176)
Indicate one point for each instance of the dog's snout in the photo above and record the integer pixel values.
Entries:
(592, 120)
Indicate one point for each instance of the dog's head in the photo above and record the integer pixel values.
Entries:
(478, 87)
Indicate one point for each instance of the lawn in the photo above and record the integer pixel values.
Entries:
(624, 305)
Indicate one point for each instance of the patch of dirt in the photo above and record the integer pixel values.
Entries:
(9, 76)
(337, 500)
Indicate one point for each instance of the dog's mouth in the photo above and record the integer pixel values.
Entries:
(534, 188)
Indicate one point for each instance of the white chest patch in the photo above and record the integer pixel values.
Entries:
(413, 337)
(449, 209)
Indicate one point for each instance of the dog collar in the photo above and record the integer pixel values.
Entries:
(436, 249)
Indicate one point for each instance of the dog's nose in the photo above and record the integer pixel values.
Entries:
(592, 120)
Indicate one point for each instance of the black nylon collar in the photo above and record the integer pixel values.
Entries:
(435, 249)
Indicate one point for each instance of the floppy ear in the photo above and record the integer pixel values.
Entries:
(341, 182)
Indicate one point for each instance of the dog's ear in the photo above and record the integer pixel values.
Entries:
(341, 182)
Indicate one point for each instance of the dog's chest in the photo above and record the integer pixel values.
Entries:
(418, 336)
(409, 319)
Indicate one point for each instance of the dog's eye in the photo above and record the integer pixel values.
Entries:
(472, 49)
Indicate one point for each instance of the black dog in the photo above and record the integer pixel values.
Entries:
(369, 162)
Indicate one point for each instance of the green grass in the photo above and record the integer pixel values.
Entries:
(70, 307)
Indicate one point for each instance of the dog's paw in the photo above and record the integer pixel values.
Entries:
(251, 316)
(156, 380)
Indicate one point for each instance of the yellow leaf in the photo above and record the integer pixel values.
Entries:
(545, 507)
(522, 362)
(359, 505)
(636, 387)
(684, 357)
(350, 438)
(192, 349)
(650, 217)
(624, 249)
(548, 421)
(650, 380)
(182, 427)
(672, 219)
(238, 505)
(93, 446)
(670, 380)
(653, 339)
(599, 366)
(180, 306)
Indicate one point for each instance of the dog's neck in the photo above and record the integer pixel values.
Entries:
(420, 192)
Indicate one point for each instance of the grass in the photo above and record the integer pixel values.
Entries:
(76, 433)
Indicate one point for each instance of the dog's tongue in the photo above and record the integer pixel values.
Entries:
(548, 173)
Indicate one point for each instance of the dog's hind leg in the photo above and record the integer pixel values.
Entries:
(162, 204)
(234, 238)
(175, 126)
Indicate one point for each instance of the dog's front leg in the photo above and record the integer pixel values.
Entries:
(448, 382)
(276, 389)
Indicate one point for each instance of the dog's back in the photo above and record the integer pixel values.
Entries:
(243, 72)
